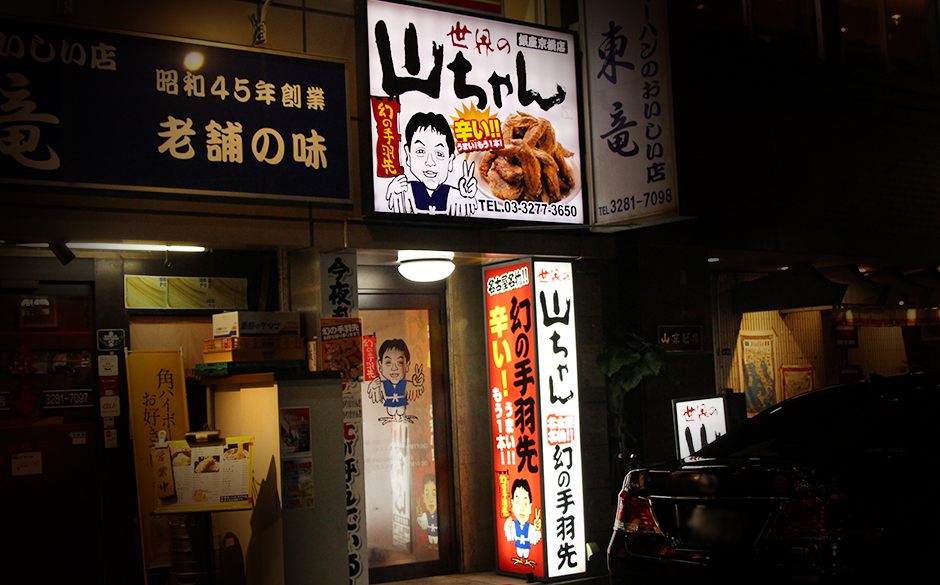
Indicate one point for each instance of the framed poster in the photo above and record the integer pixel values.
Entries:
(797, 380)
(758, 369)
(472, 117)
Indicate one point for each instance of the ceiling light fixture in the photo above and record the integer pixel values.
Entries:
(425, 265)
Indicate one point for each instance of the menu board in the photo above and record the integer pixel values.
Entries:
(211, 477)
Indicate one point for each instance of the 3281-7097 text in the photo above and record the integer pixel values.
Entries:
(634, 202)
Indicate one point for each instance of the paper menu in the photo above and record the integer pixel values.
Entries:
(211, 477)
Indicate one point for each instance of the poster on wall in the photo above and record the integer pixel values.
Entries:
(341, 348)
(99, 109)
(535, 418)
(472, 117)
(758, 369)
(184, 292)
(797, 380)
(631, 120)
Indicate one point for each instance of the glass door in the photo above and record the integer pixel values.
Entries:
(406, 433)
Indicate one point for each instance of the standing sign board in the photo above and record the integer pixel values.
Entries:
(472, 117)
(99, 109)
(532, 362)
(698, 422)
(630, 87)
(156, 387)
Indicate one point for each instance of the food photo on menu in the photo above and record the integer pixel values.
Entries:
(211, 475)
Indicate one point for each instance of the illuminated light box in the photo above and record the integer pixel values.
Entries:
(698, 422)
(533, 375)
(472, 117)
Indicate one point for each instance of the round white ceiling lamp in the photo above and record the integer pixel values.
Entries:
(425, 265)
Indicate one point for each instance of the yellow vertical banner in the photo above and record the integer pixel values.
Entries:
(157, 394)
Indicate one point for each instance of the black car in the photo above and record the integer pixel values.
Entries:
(831, 486)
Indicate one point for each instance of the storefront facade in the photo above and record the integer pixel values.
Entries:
(269, 241)
(273, 239)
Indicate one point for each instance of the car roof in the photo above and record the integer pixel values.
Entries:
(817, 423)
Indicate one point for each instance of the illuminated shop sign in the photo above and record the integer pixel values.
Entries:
(532, 361)
(472, 117)
(698, 422)
(630, 84)
(98, 109)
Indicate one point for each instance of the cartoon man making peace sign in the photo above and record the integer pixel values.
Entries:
(392, 387)
(517, 528)
(429, 156)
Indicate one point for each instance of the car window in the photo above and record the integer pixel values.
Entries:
(844, 423)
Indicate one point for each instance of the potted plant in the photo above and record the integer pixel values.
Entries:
(626, 361)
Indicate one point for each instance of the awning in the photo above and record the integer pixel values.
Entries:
(797, 287)
(861, 291)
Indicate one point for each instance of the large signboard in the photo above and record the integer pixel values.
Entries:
(561, 420)
(630, 84)
(472, 117)
(535, 417)
(90, 108)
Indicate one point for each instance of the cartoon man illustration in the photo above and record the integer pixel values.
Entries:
(518, 529)
(429, 156)
(392, 388)
(428, 520)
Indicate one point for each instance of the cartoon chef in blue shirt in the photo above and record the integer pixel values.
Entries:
(429, 155)
(517, 528)
(392, 388)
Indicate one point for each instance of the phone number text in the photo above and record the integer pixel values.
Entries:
(528, 208)
(637, 202)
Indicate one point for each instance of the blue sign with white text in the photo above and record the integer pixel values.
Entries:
(86, 108)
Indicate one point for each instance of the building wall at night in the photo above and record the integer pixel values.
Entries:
(787, 143)
(796, 142)
(262, 232)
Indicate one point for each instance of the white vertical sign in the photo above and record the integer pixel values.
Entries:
(339, 290)
(560, 417)
(339, 298)
(630, 88)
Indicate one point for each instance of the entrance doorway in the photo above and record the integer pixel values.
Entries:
(406, 432)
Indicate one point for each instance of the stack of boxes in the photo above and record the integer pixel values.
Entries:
(246, 342)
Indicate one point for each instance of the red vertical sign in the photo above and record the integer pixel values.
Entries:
(385, 111)
(517, 460)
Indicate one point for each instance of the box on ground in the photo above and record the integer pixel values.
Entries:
(255, 324)
(230, 343)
